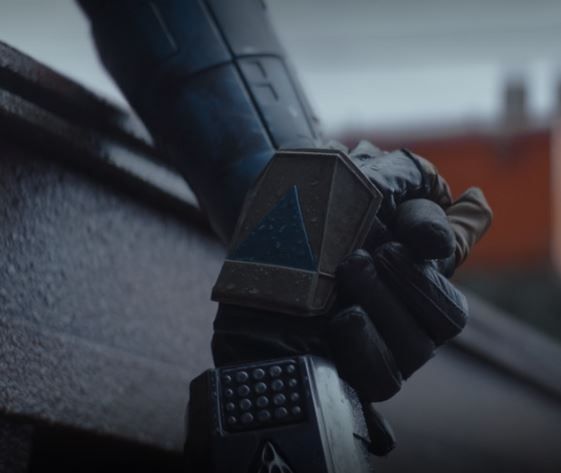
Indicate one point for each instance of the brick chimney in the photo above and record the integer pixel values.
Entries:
(515, 112)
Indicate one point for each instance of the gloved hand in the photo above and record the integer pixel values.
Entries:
(394, 304)
(399, 304)
(403, 176)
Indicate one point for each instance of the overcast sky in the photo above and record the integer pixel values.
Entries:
(375, 63)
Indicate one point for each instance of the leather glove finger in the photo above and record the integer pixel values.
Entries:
(470, 216)
(358, 284)
(362, 358)
(424, 228)
(435, 303)
(400, 176)
(366, 150)
(429, 232)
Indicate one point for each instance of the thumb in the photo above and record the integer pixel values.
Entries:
(470, 216)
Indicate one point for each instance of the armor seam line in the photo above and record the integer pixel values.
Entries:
(212, 15)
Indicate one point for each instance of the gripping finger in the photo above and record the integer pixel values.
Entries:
(470, 217)
(359, 284)
(400, 175)
(362, 357)
(435, 186)
(436, 304)
(423, 226)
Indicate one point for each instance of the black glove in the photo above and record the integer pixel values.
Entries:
(403, 176)
(394, 305)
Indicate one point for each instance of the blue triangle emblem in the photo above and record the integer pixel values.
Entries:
(280, 238)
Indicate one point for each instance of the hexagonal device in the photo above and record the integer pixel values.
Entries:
(305, 213)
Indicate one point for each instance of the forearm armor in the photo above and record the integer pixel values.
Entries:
(213, 86)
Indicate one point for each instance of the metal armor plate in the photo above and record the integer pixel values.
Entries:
(305, 213)
(289, 415)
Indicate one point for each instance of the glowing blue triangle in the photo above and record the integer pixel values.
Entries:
(280, 238)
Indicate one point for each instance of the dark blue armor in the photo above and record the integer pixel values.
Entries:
(212, 84)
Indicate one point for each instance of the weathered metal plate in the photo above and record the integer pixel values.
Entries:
(307, 211)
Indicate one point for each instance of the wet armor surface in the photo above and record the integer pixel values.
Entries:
(292, 413)
(306, 213)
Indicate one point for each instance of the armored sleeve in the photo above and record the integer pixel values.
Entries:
(213, 86)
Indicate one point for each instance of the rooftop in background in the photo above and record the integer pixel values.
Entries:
(387, 63)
